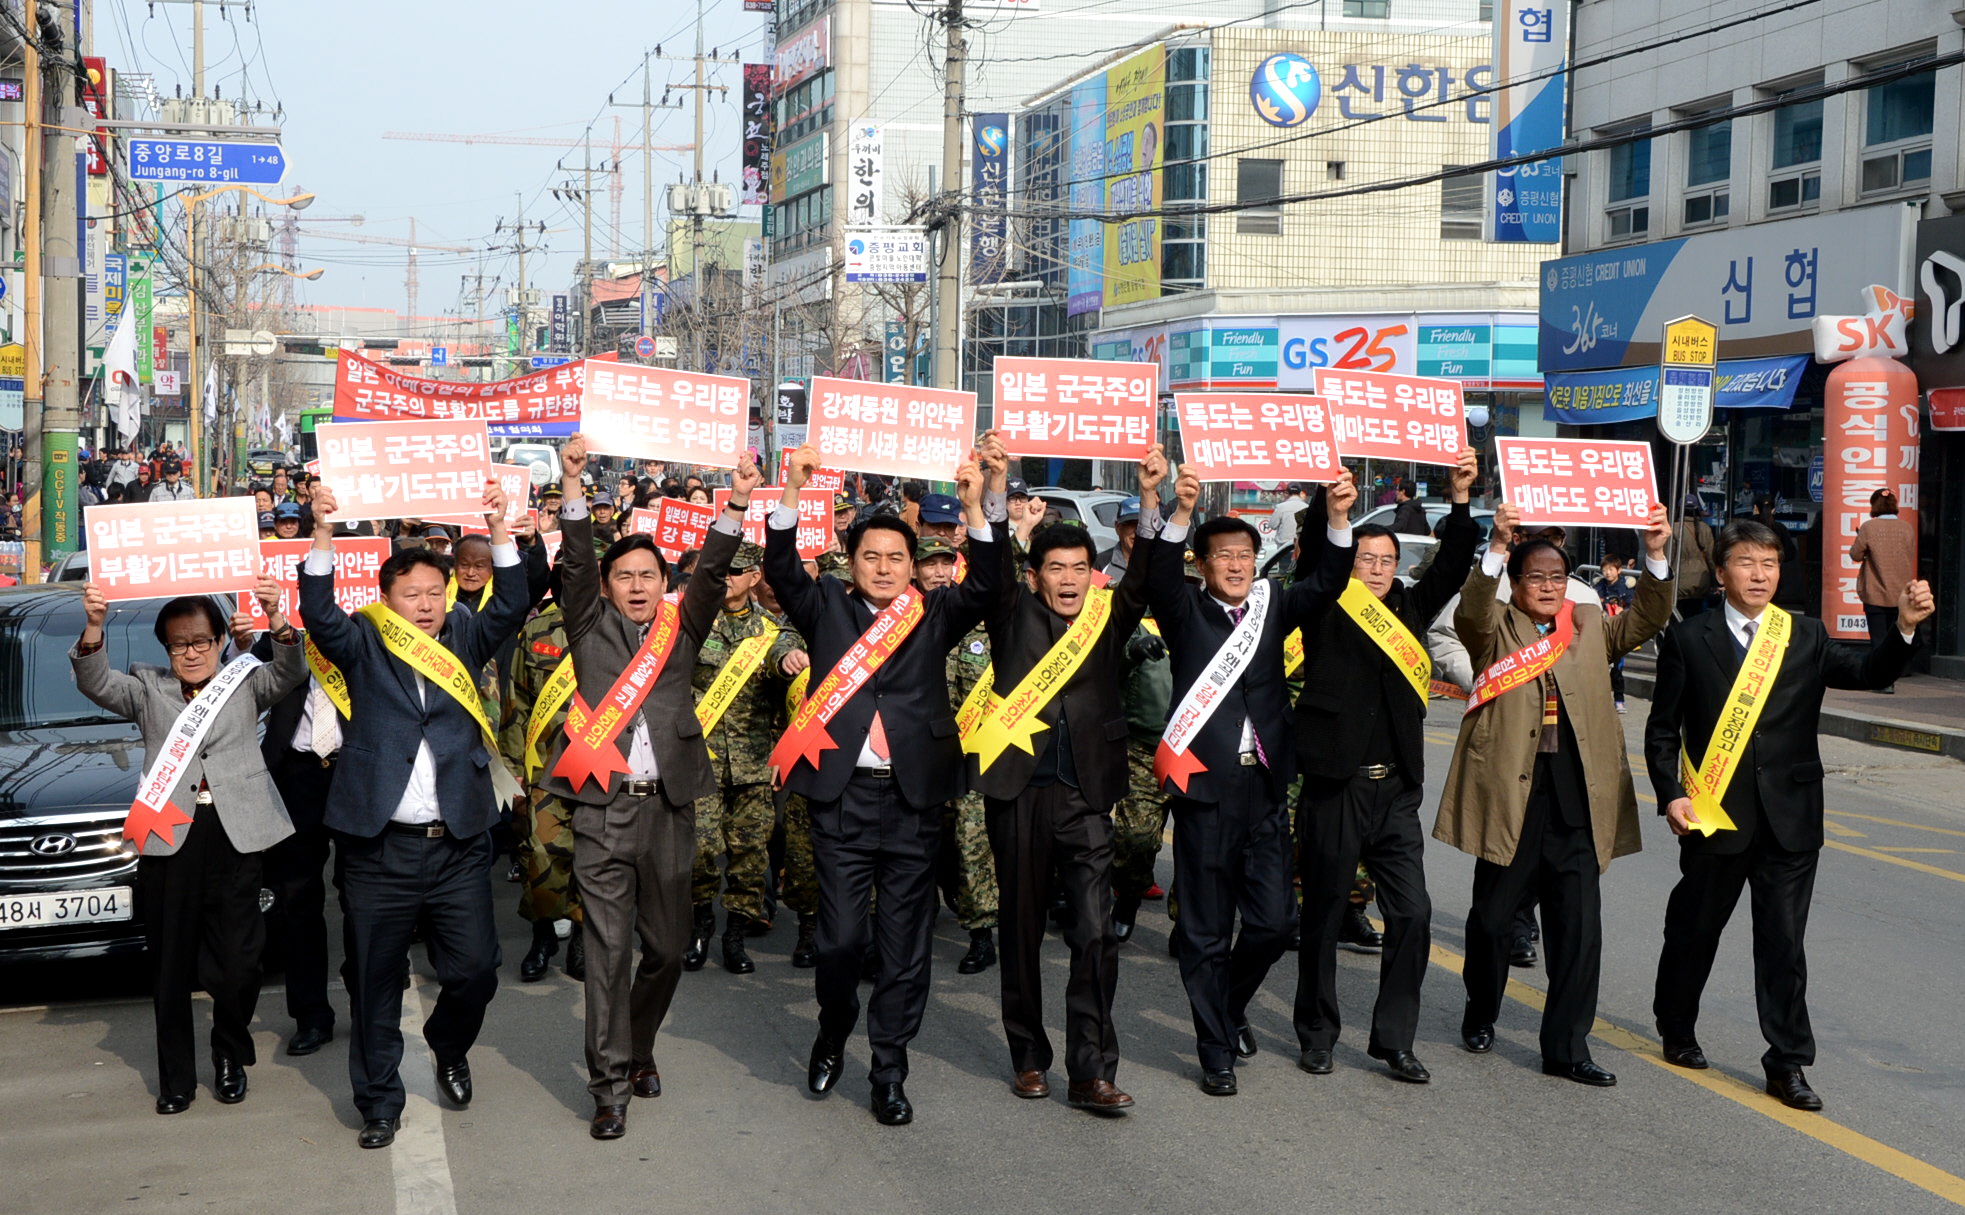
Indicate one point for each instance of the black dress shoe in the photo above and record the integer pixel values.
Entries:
(228, 1081)
(1793, 1090)
(891, 1106)
(1316, 1062)
(1245, 1046)
(378, 1132)
(1685, 1052)
(609, 1122)
(576, 956)
(701, 929)
(828, 1059)
(1122, 930)
(173, 1105)
(645, 1080)
(1404, 1064)
(454, 1081)
(981, 955)
(1356, 931)
(1583, 1072)
(1522, 952)
(1219, 1084)
(1477, 1038)
(308, 1039)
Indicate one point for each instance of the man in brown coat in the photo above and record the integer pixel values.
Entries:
(1540, 790)
(1885, 551)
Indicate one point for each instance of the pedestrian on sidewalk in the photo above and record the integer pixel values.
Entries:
(1616, 596)
(1885, 548)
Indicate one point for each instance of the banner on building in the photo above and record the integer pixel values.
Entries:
(159, 550)
(1256, 436)
(143, 301)
(1084, 239)
(405, 470)
(559, 335)
(1076, 408)
(545, 402)
(897, 429)
(989, 178)
(1523, 204)
(865, 162)
(758, 125)
(658, 413)
(1135, 139)
(95, 99)
(1382, 416)
(357, 561)
(1578, 482)
(803, 55)
(1629, 394)
(814, 516)
(886, 255)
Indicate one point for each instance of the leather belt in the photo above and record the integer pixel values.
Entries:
(1249, 759)
(641, 788)
(882, 773)
(326, 761)
(431, 831)
(1377, 771)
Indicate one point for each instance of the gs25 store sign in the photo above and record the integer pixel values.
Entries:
(1345, 344)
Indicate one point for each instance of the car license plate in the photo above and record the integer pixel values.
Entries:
(73, 907)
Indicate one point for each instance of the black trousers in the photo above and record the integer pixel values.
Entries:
(296, 873)
(1231, 856)
(202, 926)
(1557, 860)
(1340, 823)
(1783, 884)
(632, 859)
(1045, 830)
(387, 883)
(873, 837)
(1882, 622)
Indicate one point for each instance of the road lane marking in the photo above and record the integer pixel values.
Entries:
(1834, 828)
(1897, 822)
(1945, 851)
(1874, 855)
(419, 1157)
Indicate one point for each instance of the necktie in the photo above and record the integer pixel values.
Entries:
(326, 723)
(877, 738)
(1751, 626)
(1235, 615)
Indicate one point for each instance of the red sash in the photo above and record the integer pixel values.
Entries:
(591, 750)
(806, 738)
(1527, 664)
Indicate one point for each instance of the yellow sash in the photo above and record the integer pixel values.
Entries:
(551, 699)
(450, 594)
(1292, 653)
(1707, 785)
(1389, 634)
(1012, 720)
(737, 671)
(974, 703)
(329, 676)
(795, 695)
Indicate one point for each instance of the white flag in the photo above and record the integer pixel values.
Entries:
(123, 394)
(211, 392)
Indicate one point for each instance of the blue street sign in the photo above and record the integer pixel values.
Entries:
(1816, 479)
(258, 164)
(542, 361)
(439, 356)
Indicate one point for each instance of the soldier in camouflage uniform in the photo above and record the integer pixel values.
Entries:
(736, 821)
(547, 832)
(968, 867)
(1139, 820)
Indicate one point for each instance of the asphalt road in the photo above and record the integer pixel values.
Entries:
(735, 1130)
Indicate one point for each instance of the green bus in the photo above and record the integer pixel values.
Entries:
(310, 419)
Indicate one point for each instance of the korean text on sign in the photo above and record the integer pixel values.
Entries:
(1578, 482)
(892, 428)
(545, 402)
(829, 479)
(357, 561)
(405, 470)
(655, 413)
(153, 550)
(1381, 415)
(675, 525)
(814, 516)
(516, 481)
(1076, 408)
(1257, 436)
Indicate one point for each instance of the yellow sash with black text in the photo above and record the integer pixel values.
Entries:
(1383, 626)
(1013, 720)
(1707, 784)
(551, 699)
(743, 663)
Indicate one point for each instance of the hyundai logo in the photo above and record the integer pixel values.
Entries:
(54, 844)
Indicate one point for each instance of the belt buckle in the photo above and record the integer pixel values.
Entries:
(433, 831)
(205, 798)
(1375, 771)
(884, 772)
(1249, 760)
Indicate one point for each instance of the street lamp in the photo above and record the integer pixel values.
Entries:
(276, 268)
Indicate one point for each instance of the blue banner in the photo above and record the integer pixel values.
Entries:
(989, 168)
(1594, 398)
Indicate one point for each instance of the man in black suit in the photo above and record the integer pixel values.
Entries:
(1359, 747)
(1049, 809)
(878, 766)
(1774, 799)
(1227, 755)
(412, 806)
(634, 807)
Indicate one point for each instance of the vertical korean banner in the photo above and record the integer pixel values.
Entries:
(1524, 204)
(865, 157)
(757, 139)
(1085, 178)
(1134, 127)
(143, 300)
(1869, 437)
(989, 170)
(560, 336)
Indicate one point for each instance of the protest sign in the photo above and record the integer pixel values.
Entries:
(896, 429)
(159, 550)
(1578, 482)
(405, 470)
(1383, 416)
(357, 559)
(659, 413)
(1076, 408)
(814, 516)
(1257, 436)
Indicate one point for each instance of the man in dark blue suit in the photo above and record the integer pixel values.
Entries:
(412, 805)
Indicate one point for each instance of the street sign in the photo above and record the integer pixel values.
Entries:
(1817, 478)
(242, 342)
(542, 361)
(1687, 358)
(439, 356)
(257, 164)
(645, 346)
(169, 383)
(13, 402)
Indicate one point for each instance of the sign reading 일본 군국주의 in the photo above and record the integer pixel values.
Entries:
(1076, 408)
(895, 429)
(1384, 416)
(1257, 436)
(153, 550)
(1578, 482)
(404, 470)
(544, 402)
(357, 560)
(814, 516)
(656, 413)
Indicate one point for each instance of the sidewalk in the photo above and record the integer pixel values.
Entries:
(1926, 714)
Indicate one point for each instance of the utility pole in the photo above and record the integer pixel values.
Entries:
(409, 281)
(648, 107)
(523, 300)
(34, 436)
(585, 190)
(61, 412)
(948, 271)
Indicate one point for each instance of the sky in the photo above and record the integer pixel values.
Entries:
(348, 72)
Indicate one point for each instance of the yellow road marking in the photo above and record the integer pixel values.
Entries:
(1874, 855)
(1946, 851)
(1834, 828)
(1897, 822)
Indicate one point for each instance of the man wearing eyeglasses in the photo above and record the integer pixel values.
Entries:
(1359, 746)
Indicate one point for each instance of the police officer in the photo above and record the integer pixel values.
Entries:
(546, 832)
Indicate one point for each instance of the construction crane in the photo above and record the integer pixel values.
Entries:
(411, 245)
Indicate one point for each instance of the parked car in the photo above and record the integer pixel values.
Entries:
(1097, 509)
(542, 458)
(261, 461)
(1435, 511)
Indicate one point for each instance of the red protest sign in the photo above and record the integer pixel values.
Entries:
(1257, 436)
(897, 429)
(516, 481)
(677, 526)
(814, 516)
(153, 550)
(538, 403)
(357, 559)
(657, 413)
(1383, 416)
(1578, 482)
(1076, 408)
(829, 479)
(553, 539)
(405, 470)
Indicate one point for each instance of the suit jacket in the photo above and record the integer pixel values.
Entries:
(248, 805)
(1194, 627)
(1779, 781)
(1350, 687)
(391, 720)
(910, 689)
(604, 642)
(1021, 631)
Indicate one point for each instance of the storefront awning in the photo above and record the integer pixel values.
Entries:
(1626, 394)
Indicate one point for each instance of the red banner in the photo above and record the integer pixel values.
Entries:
(538, 403)
(829, 479)
(159, 550)
(676, 526)
(516, 481)
(657, 413)
(357, 560)
(1578, 482)
(897, 429)
(1076, 408)
(814, 516)
(1383, 416)
(1257, 436)
(1869, 442)
(404, 470)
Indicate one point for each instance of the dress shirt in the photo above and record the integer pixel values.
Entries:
(1495, 564)
(1737, 621)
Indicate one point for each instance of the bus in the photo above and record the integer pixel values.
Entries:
(310, 419)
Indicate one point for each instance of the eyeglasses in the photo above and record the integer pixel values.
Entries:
(1539, 579)
(1232, 556)
(1367, 561)
(196, 645)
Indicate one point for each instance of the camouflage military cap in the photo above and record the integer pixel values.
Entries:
(933, 546)
(749, 557)
(833, 563)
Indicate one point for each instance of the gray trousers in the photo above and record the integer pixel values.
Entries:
(631, 859)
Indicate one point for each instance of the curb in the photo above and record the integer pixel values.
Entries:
(1920, 737)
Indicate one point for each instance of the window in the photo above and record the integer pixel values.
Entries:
(1897, 122)
(1795, 179)
(1368, 8)
(1258, 182)
(1628, 190)
(1334, 169)
(1708, 165)
(1487, 12)
(1460, 205)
